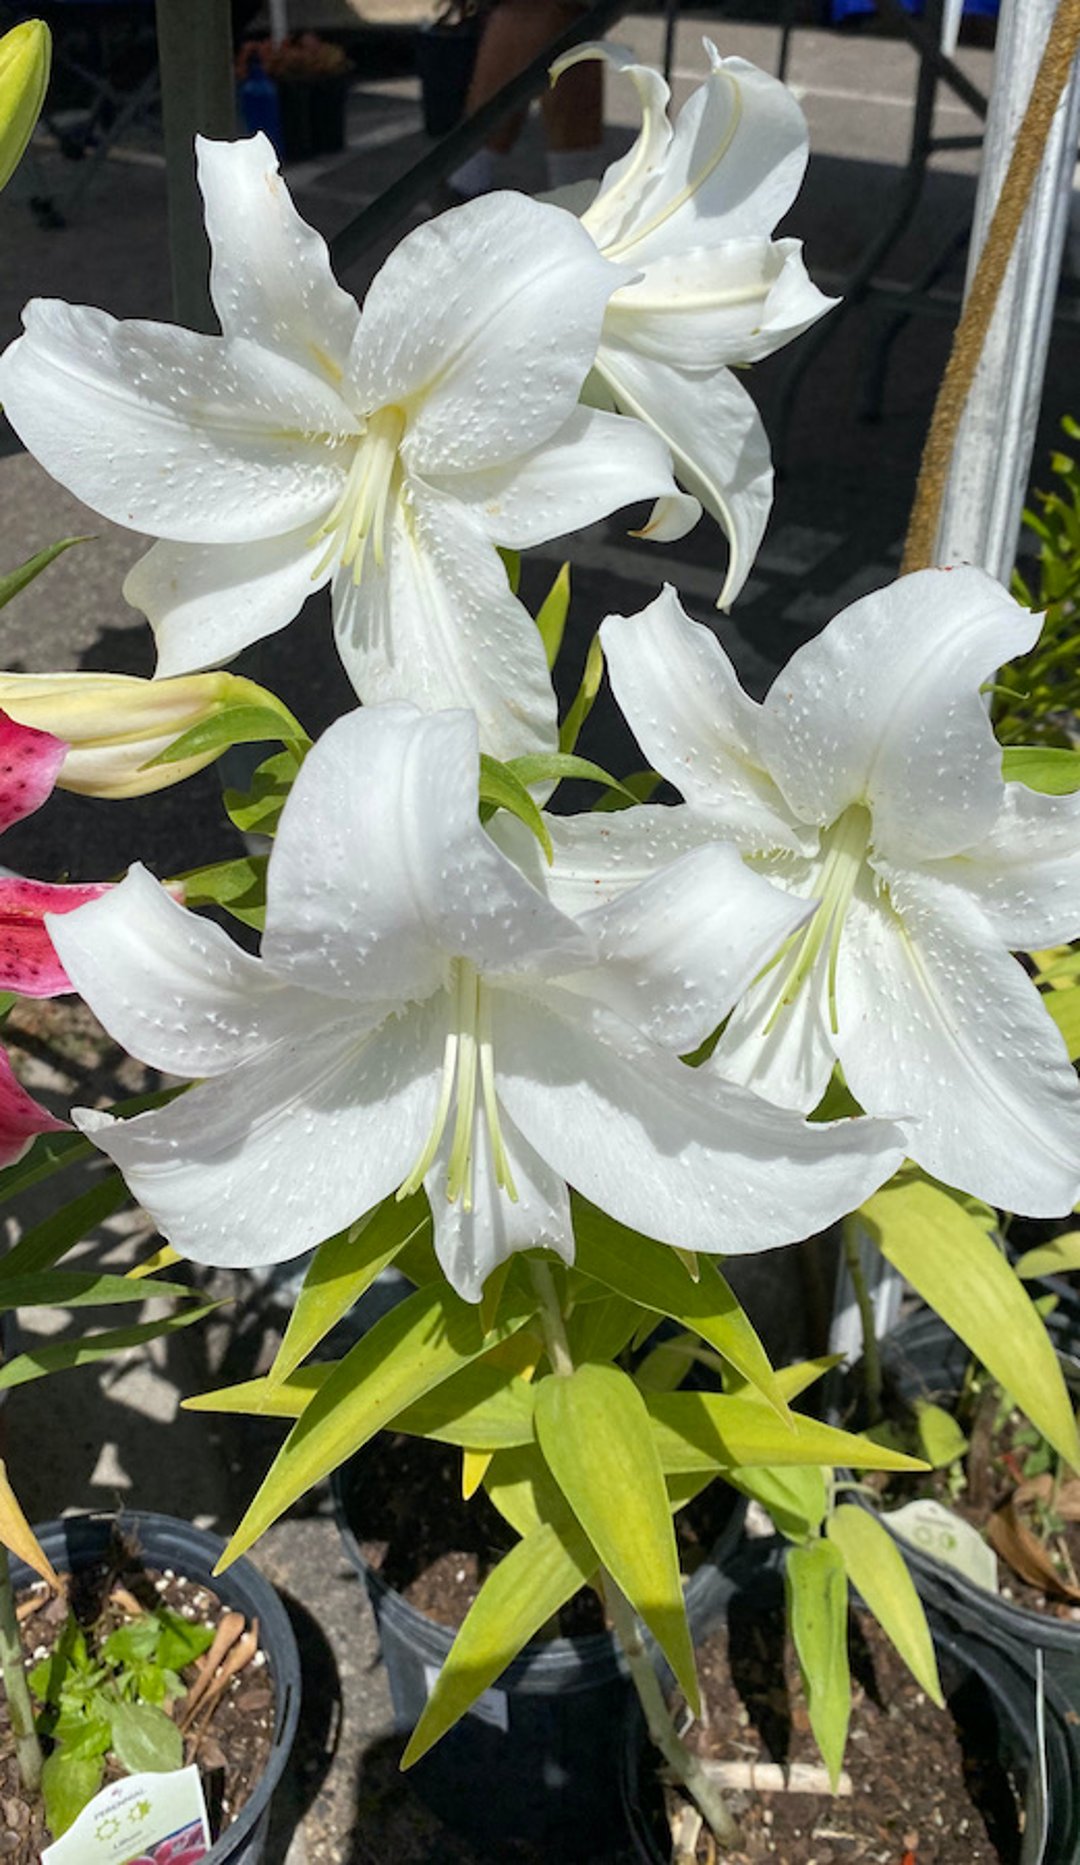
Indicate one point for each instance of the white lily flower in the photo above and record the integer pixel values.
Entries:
(388, 450)
(422, 1013)
(691, 208)
(869, 781)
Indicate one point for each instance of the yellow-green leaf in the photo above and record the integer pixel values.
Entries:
(46, 1243)
(941, 1440)
(256, 1398)
(730, 1431)
(552, 613)
(342, 1269)
(652, 1275)
(159, 1259)
(59, 1356)
(795, 1497)
(947, 1256)
(421, 1342)
(817, 1601)
(878, 1571)
(598, 1443)
(17, 1534)
(1064, 1007)
(584, 698)
(1052, 769)
(1059, 1257)
(529, 1584)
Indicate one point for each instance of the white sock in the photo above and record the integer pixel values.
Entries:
(476, 174)
(565, 166)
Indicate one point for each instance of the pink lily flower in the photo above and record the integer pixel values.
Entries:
(29, 763)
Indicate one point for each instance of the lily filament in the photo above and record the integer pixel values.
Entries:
(468, 1062)
(843, 853)
(360, 511)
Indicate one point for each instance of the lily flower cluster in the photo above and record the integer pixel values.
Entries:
(497, 1011)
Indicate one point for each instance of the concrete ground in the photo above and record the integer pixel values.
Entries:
(115, 1435)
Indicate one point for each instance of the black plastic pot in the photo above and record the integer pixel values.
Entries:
(537, 1759)
(445, 56)
(981, 1681)
(79, 1541)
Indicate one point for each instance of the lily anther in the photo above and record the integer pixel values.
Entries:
(360, 511)
(468, 1058)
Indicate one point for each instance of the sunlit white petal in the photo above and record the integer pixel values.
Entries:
(205, 602)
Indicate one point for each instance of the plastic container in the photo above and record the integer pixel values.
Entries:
(537, 1758)
(980, 1679)
(80, 1540)
(445, 56)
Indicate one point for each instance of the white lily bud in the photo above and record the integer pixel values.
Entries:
(114, 724)
(25, 56)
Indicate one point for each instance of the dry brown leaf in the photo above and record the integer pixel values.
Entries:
(1024, 1553)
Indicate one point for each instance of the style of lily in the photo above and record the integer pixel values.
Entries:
(691, 209)
(869, 782)
(386, 450)
(422, 1013)
(29, 967)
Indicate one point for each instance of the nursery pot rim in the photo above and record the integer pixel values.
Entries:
(77, 1540)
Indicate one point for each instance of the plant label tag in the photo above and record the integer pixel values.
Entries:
(145, 1819)
(935, 1530)
(490, 1706)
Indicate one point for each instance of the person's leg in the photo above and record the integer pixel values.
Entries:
(515, 32)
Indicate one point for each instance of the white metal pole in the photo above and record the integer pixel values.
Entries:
(279, 21)
(988, 479)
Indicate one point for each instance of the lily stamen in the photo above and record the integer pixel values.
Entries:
(844, 851)
(360, 510)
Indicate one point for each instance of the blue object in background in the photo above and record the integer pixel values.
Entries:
(257, 98)
(848, 9)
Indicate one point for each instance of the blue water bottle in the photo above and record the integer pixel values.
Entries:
(259, 106)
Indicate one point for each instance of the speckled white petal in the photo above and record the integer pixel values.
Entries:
(884, 708)
(1025, 875)
(595, 464)
(270, 276)
(381, 870)
(470, 1244)
(616, 200)
(735, 165)
(180, 435)
(709, 307)
(205, 602)
(718, 445)
(600, 854)
(485, 320)
(439, 627)
(172, 987)
(680, 696)
(678, 949)
(937, 1019)
(680, 1156)
(236, 1172)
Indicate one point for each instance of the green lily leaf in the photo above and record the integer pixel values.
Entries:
(1054, 771)
(38, 1249)
(552, 613)
(500, 788)
(1059, 1257)
(638, 787)
(257, 1398)
(877, 1570)
(552, 766)
(1064, 1007)
(63, 1355)
(16, 580)
(342, 1269)
(735, 1431)
(235, 725)
(593, 1429)
(817, 1598)
(585, 697)
(74, 1289)
(239, 886)
(258, 811)
(796, 1498)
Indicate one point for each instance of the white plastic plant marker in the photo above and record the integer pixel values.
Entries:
(935, 1530)
(145, 1819)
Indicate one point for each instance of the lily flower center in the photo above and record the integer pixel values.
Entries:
(468, 1069)
(843, 852)
(360, 512)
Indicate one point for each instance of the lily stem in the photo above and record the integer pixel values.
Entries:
(20, 1710)
(871, 1359)
(658, 1718)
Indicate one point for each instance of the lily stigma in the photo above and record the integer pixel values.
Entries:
(843, 853)
(373, 482)
(468, 1055)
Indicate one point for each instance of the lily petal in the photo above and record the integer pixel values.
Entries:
(270, 276)
(595, 464)
(680, 696)
(29, 962)
(884, 707)
(205, 602)
(677, 950)
(439, 627)
(470, 1244)
(690, 1160)
(718, 445)
(235, 1172)
(1025, 874)
(172, 987)
(711, 306)
(936, 1017)
(165, 431)
(735, 165)
(30, 763)
(21, 1117)
(489, 316)
(600, 854)
(625, 181)
(382, 872)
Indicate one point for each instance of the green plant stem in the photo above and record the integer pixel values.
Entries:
(20, 1710)
(871, 1360)
(658, 1718)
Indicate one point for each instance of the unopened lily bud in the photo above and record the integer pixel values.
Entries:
(115, 724)
(25, 56)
